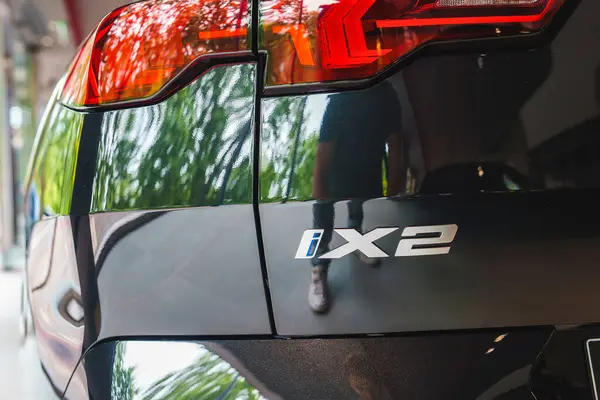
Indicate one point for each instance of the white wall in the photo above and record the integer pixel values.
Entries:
(92, 12)
(52, 63)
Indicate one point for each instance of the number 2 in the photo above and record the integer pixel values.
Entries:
(406, 246)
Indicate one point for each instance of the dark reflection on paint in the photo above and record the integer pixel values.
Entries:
(462, 127)
(326, 146)
(192, 271)
(143, 273)
(572, 157)
(560, 373)
(193, 149)
(359, 368)
(468, 125)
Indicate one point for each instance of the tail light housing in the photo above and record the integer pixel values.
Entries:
(139, 48)
(328, 40)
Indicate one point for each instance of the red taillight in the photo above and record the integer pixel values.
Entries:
(327, 40)
(139, 48)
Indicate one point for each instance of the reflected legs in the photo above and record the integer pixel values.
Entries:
(323, 218)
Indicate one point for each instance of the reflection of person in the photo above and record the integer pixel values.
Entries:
(363, 378)
(349, 165)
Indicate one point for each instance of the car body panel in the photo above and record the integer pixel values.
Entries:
(115, 265)
(56, 168)
(57, 310)
(40, 253)
(512, 263)
(194, 149)
(320, 368)
(163, 276)
(181, 221)
(480, 153)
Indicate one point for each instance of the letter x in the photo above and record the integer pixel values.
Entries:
(356, 241)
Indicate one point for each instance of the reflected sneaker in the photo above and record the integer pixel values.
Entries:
(371, 262)
(318, 291)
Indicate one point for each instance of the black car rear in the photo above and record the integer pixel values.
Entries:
(323, 200)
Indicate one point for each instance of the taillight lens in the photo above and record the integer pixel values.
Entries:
(139, 48)
(327, 40)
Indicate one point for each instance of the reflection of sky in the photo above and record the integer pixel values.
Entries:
(153, 360)
(315, 107)
(276, 144)
(313, 5)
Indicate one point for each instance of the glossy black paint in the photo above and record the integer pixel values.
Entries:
(137, 249)
(162, 275)
(479, 140)
(562, 369)
(133, 274)
(515, 261)
(383, 368)
(125, 161)
(194, 149)
(52, 173)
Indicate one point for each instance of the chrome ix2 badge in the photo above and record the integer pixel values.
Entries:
(436, 240)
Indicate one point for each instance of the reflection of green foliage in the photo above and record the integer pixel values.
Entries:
(55, 171)
(384, 179)
(305, 162)
(123, 385)
(192, 149)
(209, 378)
(287, 152)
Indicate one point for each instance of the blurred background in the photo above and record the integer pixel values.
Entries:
(38, 39)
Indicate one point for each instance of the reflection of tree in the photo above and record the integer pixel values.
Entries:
(289, 14)
(56, 168)
(162, 38)
(193, 149)
(288, 151)
(288, 154)
(209, 378)
(123, 385)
